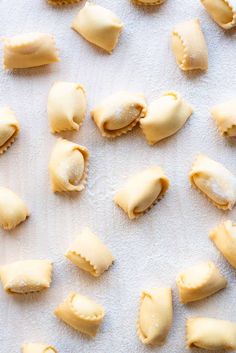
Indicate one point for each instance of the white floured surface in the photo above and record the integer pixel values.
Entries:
(150, 251)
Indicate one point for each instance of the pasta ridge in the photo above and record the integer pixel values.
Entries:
(82, 316)
(220, 207)
(182, 65)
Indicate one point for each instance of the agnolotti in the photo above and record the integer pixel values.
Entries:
(155, 316)
(28, 276)
(224, 115)
(90, 254)
(199, 281)
(189, 46)
(224, 238)
(149, 2)
(38, 348)
(165, 116)
(68, 166)
(216, 182)
(98, 25)
(66, 106)
(142, 191)
(29, 50)
(9, 128)
(223, 12)
(81, 313)
(211, 334)
(119, 113)
(13, 210)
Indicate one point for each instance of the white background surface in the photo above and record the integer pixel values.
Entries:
(151, 250)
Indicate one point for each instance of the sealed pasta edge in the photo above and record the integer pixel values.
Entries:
(73, 125)
(68, 301)
(94, 273)
(138, 329)
(83, 182)
(122, 131)
(62, 2)
(183, 62)
(8, 144)
(148, 2)
(228, 25)
(166, 185)
(191, 173)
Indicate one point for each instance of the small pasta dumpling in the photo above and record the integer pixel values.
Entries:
(66, 106)
(224, 238)
(119, 113)
(38, 348)
(189, 46)
(216, 182)
(9, 128)
(200, 281)
(13, 210)
(211, 334)
(98, 26)
(149, 2)
(27, 276)
(142, 191)
(165, 116)
(155, 316)
(29, 50)
(68, 166)
(90, 254)
(223, 12)
(81, 313)
(224, 115)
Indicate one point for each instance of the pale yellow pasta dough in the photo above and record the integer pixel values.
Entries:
(13, 210)
(224, 115)
(26, 276)
(38, 348)
(66, 106)
(189, 46)
(199, 281)
(62, 2)
(9, 128)
(98, 25)
(142, 191)
(29, 50)
(223, 12)
(89, 253)
(149, 2)
(224, 238)
(119, 113)
(81, 313)
(214, 181)
(165, 116)
(155, 316)
(211, 334)
(68, 166)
